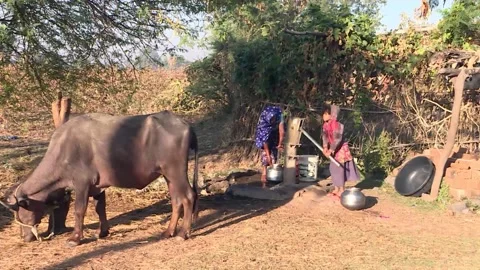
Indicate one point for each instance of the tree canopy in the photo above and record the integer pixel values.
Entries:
(55, 40)
(72, 32)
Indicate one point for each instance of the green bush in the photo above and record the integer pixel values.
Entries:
(461, 23)
(377, 156)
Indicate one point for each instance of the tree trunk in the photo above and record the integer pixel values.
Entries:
(452, 132)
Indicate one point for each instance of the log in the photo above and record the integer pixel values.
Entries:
(452, 131)
(452, 72)
(56, 105)
(66, 106)
(473, 74)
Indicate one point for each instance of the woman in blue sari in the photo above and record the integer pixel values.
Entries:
(269, 137)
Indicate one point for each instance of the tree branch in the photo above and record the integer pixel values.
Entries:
(454, 71)
(306, 33)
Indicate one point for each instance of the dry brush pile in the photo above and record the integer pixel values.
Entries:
(115, 91)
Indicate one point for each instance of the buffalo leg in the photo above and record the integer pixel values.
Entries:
(57, 219)
(81, 202)
(176, 204)
(182, 195)
(187, 201)
(100, 205)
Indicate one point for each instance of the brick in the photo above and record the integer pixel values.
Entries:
(475, 193)
(473, 164)
(460, 183)
(475, 174)
(474, 184)
(464, 174)
(460, 165)
(450, 173)
(452, 183)
(459, 194)
(458, 175)
(455, 173)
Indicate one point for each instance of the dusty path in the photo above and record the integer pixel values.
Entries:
(248, 234)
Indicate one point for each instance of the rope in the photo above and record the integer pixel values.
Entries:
(34, 227)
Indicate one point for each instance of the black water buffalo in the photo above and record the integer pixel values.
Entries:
(94, 151)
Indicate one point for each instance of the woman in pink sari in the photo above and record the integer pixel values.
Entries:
(335, 145)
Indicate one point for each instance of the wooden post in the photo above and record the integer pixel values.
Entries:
(56, 105)
(61, 110)
(452, 132)
(293, 135)
(66, 105)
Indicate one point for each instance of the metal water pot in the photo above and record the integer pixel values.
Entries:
(353, 199)
(275, 173)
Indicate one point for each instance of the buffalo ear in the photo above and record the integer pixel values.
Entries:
(23, 201)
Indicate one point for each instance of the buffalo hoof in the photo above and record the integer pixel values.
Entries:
(166, 235)
(74, 240)
(72, 243)
(181, 236)
(103, 234)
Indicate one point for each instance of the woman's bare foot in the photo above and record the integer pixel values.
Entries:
(263, 179)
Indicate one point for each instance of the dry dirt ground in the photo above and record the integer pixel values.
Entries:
(307, 232)
(251, 234)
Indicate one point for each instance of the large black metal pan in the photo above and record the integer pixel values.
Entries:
(415, 177)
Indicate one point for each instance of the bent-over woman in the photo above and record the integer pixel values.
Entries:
(269, 137)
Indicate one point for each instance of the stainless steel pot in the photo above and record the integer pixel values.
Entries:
(353, 199)
(275, 173)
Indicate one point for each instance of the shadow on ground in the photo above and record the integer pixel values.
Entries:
(370, 182)
(223, 211)
(370, 202)
(6, 218)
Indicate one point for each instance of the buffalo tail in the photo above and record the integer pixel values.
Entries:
(194, 147)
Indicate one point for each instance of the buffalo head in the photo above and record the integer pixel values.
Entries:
(28, 212)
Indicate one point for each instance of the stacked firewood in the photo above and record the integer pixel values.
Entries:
(449, 63)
